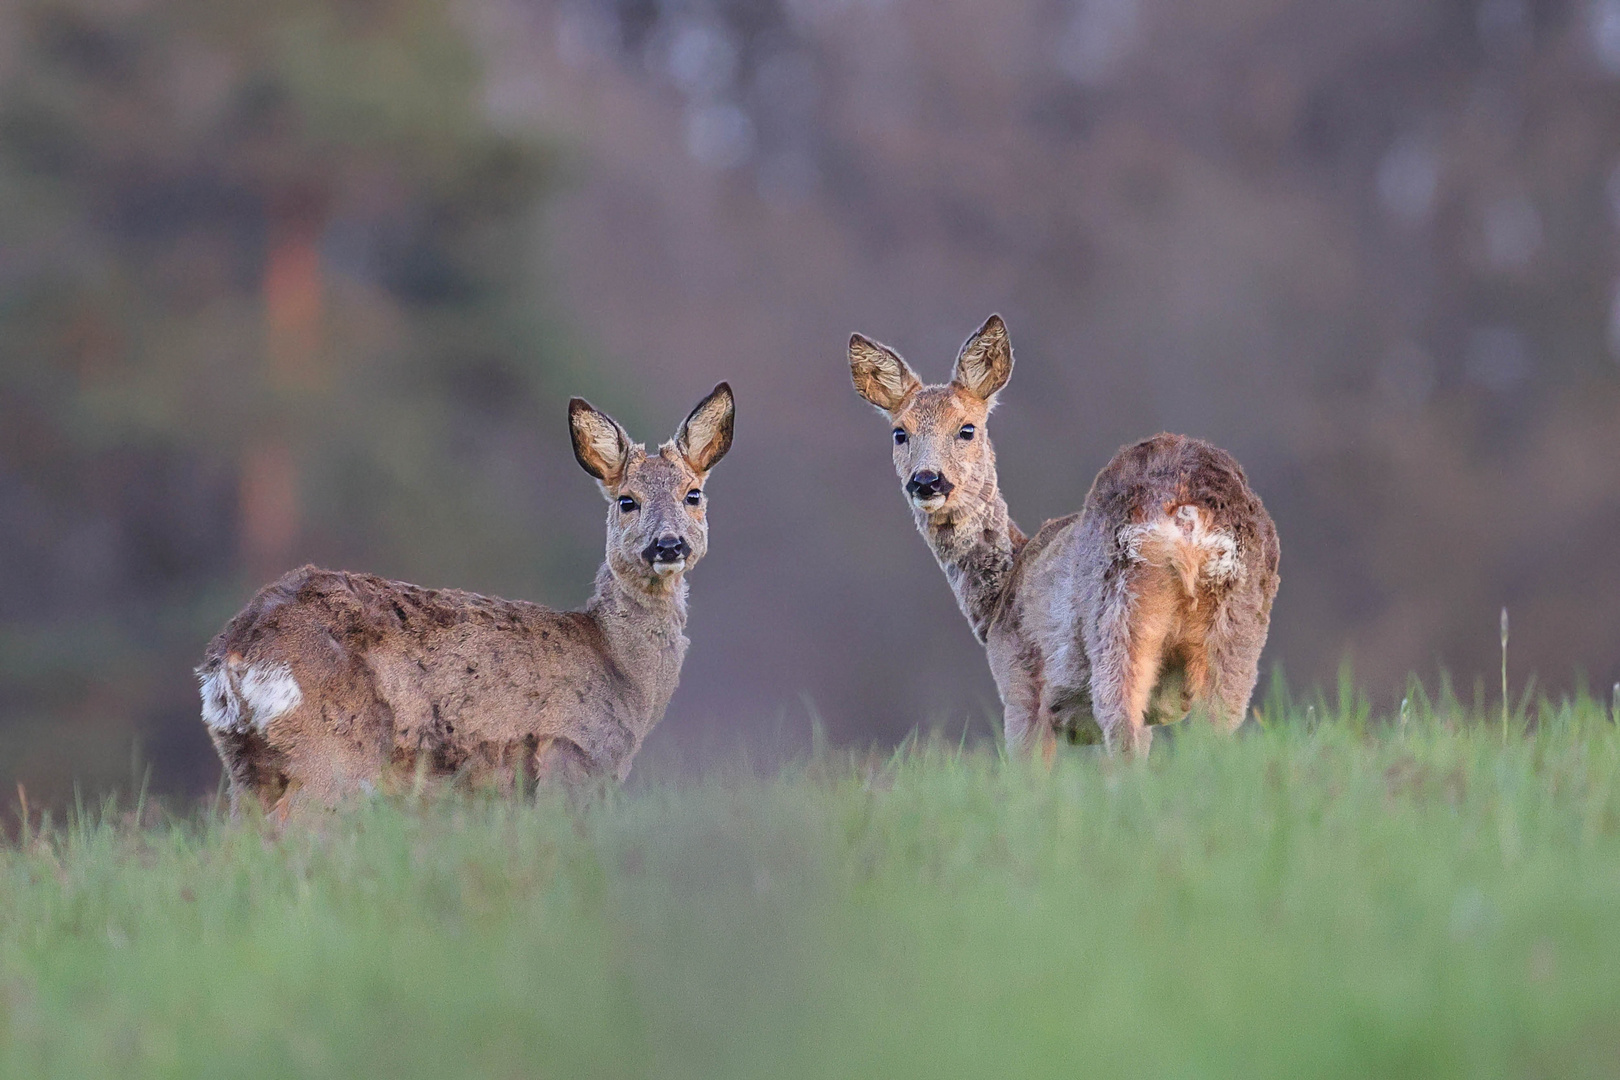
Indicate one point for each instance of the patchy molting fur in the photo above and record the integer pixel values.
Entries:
(1154, 600)
(331, 683)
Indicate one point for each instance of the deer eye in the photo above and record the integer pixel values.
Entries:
(694, 497)
(899, 436)
(966, 434)
(627, 504)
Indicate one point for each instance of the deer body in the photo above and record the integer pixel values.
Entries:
(1152, 601)
(330, 683)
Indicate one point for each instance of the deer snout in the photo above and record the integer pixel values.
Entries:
(668, 548)
(926, 485)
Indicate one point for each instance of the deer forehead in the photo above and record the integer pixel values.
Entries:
(650, 476)
(940, 407)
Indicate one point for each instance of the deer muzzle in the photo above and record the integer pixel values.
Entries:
(667, 550)
(928, 488)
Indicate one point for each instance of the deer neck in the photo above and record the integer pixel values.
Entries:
(976, 546)
(644, 626)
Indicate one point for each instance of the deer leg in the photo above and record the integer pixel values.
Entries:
(1126, 644)
(1066, 692)
(1017, 667)
(323, 766)
(255, 771)
(1234, 668)
(1024, 725)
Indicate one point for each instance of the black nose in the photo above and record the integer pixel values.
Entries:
(927, 484)
(667, 548)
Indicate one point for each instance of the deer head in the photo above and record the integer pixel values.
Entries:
(657, 527)
(941, 451)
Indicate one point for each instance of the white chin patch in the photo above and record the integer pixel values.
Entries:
(665, 569)
(931, 506)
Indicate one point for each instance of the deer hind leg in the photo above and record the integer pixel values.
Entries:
(1126, 643)
(316, 779)
(1233, 668)
(331, 753)
(1024, 726)
(254, 770)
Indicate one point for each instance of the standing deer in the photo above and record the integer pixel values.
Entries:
(329, 683)
(1152, 600)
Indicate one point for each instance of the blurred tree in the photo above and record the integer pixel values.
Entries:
(264, 296)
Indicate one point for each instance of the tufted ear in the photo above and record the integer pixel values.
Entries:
(985, 362)
(705, 435)
(881, 377)
(600, 445)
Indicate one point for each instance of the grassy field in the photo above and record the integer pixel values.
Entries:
(1326, 896)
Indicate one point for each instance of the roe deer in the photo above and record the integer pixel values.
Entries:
(1154, 599)
(329, 683)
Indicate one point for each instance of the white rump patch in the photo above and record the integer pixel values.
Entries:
(1133, 537)
(220, 709)
(235, 699)
(1221, 562)
(268, 690)
(1185, 541)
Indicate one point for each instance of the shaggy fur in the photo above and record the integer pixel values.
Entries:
(1154, 600)
(330, 683)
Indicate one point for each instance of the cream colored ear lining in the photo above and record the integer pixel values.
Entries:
(709, 427)
(973, 372)
(891, 380)
(880, 365)
(605, 444)
(894, 381)
(705, 421)
(706, 450)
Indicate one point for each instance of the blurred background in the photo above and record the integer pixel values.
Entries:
(311, 280)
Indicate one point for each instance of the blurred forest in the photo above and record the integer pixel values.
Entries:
(293, 281)
(265, 291)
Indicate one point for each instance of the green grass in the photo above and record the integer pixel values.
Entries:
(1328, 898)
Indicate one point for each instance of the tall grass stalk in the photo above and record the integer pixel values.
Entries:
(1504, 677)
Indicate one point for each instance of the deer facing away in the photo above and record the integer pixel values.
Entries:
(1152, 601)
(330, 683)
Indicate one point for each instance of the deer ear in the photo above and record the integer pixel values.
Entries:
(881, 377)
(985, 362)
(705, 435)
(600, 445)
